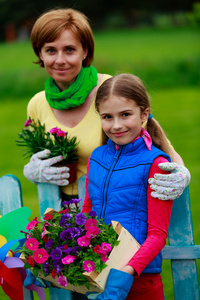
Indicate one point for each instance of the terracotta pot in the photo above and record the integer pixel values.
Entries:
(72, 172)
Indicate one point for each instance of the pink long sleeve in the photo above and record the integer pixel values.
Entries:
(87, 204)
(159, 213)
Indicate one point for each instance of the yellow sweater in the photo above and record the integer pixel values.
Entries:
(88, 131)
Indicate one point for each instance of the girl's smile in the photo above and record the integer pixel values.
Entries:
(121, 119)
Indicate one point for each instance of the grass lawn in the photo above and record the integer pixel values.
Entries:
(162, 58)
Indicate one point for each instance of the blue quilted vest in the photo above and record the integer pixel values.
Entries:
(118, 181)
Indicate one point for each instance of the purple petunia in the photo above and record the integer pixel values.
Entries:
(80, 219)
(70, 233)
(92, 214)
(49, 244)
(76, 250)
(46, 266)
(57, 264)
(64, 220)
(56, 253)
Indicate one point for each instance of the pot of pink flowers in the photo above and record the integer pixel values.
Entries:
(35, 138)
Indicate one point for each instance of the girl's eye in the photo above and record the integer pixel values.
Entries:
(106, 117)
(125, 114)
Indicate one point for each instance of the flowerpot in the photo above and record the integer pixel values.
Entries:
(72, 172)
(118, 258)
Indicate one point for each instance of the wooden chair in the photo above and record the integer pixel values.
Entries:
(181, 250)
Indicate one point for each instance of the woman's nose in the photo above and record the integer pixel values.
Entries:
(60, 58)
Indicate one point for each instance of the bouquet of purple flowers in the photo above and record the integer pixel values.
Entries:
(67, 244)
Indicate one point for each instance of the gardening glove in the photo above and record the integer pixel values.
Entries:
(117, 287)
(170, 186)
(41, 170)
(31, 279)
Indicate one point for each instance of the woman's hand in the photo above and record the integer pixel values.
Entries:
(169, 186)
(40, 169)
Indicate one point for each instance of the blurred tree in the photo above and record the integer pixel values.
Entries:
(23, 13)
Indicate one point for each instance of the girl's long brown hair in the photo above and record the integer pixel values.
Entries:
(132, 88)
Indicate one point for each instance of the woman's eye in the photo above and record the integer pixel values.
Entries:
(125, 114)
(70, 50)
(50, 50)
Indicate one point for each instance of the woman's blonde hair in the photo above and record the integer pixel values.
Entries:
(132, 88)
(50, 25)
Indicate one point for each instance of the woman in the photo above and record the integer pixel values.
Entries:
(62, 40)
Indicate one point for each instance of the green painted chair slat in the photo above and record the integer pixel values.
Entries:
(11, 199)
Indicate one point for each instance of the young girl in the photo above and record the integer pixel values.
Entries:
(117, 184)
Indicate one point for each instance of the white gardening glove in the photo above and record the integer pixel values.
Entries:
(38, 170)
(169, 186)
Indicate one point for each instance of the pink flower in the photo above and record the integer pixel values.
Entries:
(61, 133)
(90, 223)
(62, 280)
(68, 260)
(31, 261)
(54, 130)
(93, 231)
(32, 224)
(104, 258)
(28, 122)
(83, 241)
(32, 244)
(105, 248)
(88, 266)
(40, 256)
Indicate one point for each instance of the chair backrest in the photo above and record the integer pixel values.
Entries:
(49, 196)
(181, 250)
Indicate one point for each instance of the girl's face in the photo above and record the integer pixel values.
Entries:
(63, 58)
(121, 119)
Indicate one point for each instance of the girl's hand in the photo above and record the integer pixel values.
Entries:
(128, 269)
(170, 186)
(40, 169)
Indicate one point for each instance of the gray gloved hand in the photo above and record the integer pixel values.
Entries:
(117, 287)
(170, 186)
(41, 170)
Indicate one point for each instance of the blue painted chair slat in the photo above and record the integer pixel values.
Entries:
(11, 199)
(49, 196)
(10, 194)
(178, 252)
(184, 271)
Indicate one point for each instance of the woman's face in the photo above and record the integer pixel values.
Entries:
(63, 58)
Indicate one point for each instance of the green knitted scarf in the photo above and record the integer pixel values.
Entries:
(75, 94)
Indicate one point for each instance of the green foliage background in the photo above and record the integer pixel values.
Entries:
(166, 59)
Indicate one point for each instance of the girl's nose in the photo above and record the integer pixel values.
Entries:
(117, 124)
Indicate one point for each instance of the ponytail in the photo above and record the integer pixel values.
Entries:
(158, 136)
